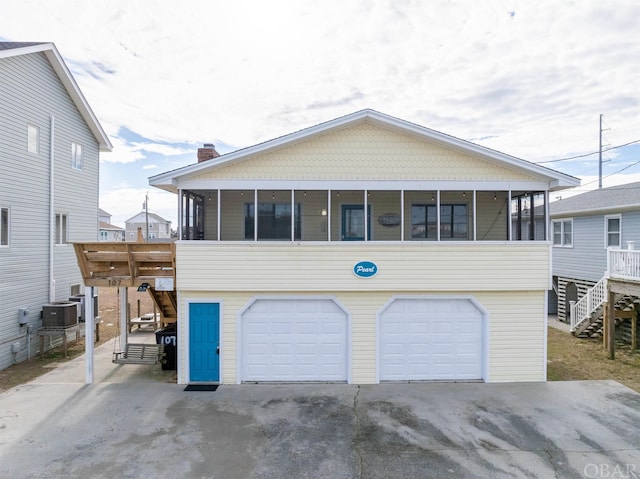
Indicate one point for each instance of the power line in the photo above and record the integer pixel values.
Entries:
(589, 154)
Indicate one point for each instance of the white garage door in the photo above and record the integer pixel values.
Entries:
(431, 339)
(294, 340)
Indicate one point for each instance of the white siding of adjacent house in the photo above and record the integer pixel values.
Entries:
(31, 93)
(509, 280)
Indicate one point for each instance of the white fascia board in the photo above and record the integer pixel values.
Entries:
(474, 149)
(547, 175)
(170, 177)
(60, 67)
(361, 185)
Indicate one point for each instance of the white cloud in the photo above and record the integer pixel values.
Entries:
(126, 151)
(124, 203)
(247, 71)
(528, 78)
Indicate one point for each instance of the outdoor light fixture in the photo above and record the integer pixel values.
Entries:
(323, 212)
(143, 287)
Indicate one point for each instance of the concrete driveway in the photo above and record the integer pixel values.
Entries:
(134, 424)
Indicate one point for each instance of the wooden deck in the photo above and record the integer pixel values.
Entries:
(121, 264)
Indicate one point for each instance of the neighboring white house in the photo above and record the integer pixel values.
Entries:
(584, 226)
(107, 231)
(49, 158)
(152, 226)
(362, 250)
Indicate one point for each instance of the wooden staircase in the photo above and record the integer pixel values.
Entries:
(591, 327)
(166, 303)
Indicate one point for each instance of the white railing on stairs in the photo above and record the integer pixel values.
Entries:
(581, 310)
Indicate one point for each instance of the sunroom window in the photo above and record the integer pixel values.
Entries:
(453, 222)
(274, 221)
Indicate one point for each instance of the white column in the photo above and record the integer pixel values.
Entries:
(124, 300)
(89, 323)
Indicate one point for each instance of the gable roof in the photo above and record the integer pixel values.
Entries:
(12, 49)
(557, 180)
(153, 217)
(107, 226)
(606, 200)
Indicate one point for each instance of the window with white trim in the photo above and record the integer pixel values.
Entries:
(76, 156)
(4, 227)
(563, 233)
(104, 235)
(61, 229)
(33, 139)
(612, 231)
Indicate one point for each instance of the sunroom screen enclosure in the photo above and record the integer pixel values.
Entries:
(338, 215)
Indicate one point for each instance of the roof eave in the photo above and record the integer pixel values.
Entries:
(60, 67)
(557, 181)
(596, 211)
(73, 89)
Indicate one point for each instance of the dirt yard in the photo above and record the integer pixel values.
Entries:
(569, 358)
(109, 311)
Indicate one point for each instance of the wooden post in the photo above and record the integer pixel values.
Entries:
(611, 325)
(605, 325)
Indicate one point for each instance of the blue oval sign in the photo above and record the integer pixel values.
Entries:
(365, 269)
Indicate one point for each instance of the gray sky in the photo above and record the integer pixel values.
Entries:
(528, 78)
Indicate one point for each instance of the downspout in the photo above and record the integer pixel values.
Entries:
(52, 218)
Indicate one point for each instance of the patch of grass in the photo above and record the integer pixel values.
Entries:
(573, 359)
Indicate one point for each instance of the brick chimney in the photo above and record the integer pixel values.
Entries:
(207, 152)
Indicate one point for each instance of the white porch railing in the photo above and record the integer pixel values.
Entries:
(581, 310)
(623, 263)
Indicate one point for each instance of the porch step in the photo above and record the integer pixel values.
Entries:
(625, 307)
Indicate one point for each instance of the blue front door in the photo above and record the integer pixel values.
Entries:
(204, 342)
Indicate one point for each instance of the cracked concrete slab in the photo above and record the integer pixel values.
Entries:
(135, 428)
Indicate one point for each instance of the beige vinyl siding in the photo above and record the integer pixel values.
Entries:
(517, 335)
(365, 152)
(492, 222)
(415, 266)
(314, 224)
(232, 222)
(515, 330)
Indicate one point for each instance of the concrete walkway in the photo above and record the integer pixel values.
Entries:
(552, 320)
(134, 422)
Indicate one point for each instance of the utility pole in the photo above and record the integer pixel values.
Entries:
(600, 157)
(146, 211)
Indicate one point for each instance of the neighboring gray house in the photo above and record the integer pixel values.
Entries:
(49, 158)
(159, 229)
(107, 231)
(582, 228)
